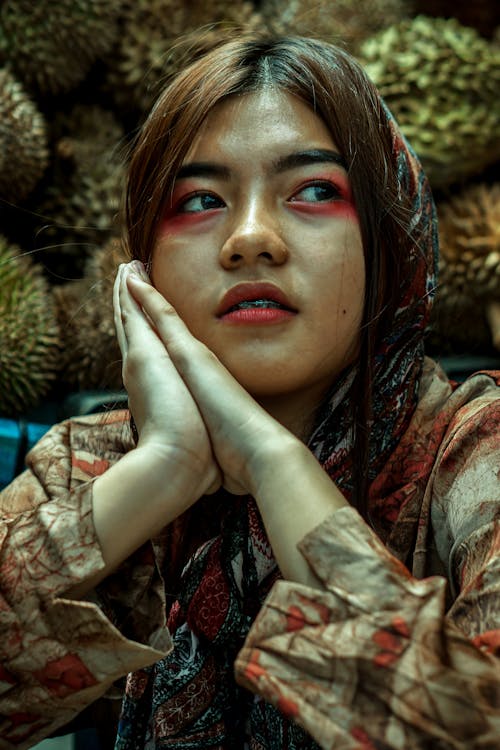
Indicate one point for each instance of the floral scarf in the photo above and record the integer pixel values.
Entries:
(189, 700)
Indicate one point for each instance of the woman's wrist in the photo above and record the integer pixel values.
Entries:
(270, 454)
(138, 496)
(294, 495)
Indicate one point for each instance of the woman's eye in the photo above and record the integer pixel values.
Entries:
(318, 192)
(200, 202)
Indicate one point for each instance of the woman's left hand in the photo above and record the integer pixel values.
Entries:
(241, 431)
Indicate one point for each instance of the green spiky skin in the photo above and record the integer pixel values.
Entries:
(441, 80)
(24, 151)
(51, 44)
(29, 333)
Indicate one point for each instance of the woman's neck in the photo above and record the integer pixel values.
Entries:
(296, 412)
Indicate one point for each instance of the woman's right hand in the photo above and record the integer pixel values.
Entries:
(172, 465)
(167, 418)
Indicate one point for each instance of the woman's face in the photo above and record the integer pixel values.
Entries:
(260, 250)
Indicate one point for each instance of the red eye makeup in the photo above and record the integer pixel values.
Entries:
(324, 195)
(189, 206)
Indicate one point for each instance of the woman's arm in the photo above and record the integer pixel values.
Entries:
(136, 498)
(57, 655)
(294, 495)
(371, 660)
(374, 657)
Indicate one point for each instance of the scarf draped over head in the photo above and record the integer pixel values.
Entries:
(189, 700)
(399, 356)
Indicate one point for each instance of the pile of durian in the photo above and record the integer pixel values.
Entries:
(77, 77)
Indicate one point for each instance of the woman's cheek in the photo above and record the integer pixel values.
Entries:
(344, 210)
(174, 223)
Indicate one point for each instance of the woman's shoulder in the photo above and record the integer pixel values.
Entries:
(476, 397)
(452, 436)
(466, 428)
(445, 413)
(83, 446)
(469, 454)
(464, 493)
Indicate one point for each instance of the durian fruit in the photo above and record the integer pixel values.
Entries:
(24, 153)
(29, 333)
(79, 207)
(466, 312)
(344, 22)
(149, 48)
(482, 15)
(91, 357)
(51, 44)
(442, 82)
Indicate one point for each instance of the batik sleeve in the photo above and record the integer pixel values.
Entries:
(374, 659)
(57, 655)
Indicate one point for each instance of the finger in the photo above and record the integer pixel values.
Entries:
(171, 329)
(117, 313)
(136, 326)
(205, 376)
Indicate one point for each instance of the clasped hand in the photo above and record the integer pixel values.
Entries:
(182, 398)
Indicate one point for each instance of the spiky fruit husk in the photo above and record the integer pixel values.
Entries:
(344, 22)
(482, 15)
(91, 355)
(441, 80)
(469, 230)
(469, 273)
(24, 151)
(51, 44)
(79, 207)
(149, 49)
(29, 333)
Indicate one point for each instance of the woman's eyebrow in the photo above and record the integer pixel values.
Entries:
(282, 164)
(307, 157)
(203, 169)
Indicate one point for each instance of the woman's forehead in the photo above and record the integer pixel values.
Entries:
(261, 123)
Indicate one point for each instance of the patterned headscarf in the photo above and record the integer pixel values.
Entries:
(189, 699)
(399, 356)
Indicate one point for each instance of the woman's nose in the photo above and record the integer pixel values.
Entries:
(254, 240)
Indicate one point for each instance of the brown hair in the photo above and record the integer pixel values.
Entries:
(336, 88)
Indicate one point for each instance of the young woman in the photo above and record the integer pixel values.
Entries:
(289, 542)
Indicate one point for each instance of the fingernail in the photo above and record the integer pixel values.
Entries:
(138, 268)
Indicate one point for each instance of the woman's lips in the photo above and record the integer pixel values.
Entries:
(257, 315)
(255, 303)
